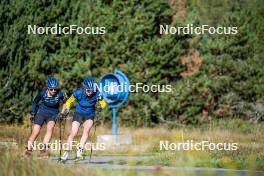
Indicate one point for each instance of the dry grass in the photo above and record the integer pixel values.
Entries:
(146, 142)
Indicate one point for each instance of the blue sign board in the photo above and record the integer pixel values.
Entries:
(115, 90)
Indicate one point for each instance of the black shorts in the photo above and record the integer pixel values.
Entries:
(81, 118)
(42, 117)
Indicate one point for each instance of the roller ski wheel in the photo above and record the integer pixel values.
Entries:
(77, 159)
(62, 161)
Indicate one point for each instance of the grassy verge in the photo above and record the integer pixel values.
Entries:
(146, 141)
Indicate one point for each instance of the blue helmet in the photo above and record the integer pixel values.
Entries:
(89, 84)
(52, 83)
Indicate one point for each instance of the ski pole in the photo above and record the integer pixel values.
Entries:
(91, 150)
(60, 136)
(59, 118)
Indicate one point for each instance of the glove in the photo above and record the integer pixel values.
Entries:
(66, 112)
(32, 116)
(99, 108)
(61, 116)
(100, 97)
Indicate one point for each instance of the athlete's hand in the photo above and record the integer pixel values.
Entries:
(99, 108)
(61, 117)
(32, 116)
(65, 111)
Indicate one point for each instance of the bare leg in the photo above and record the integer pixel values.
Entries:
(33, 136)
(30, 143)
(49, 130)
(86, 129)
(74, 131)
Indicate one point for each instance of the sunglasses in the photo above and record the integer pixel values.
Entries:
(53, 90)
(88, 91)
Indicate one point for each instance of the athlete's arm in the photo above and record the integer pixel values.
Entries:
(102, 104)
(67, 106)
(63, 97)
(35, 103)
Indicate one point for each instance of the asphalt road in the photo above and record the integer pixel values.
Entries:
(104, 163)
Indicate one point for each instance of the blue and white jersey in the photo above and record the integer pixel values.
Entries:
(86, 104)
(49, 104)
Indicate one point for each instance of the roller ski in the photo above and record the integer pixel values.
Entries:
(79, 155)
(77, 159)
(26, 153)
(63, 159)
(44, 153)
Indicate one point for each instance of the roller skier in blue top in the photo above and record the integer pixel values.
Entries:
(87, 97)
(50, 98)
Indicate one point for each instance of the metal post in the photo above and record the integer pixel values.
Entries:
(114, 126)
